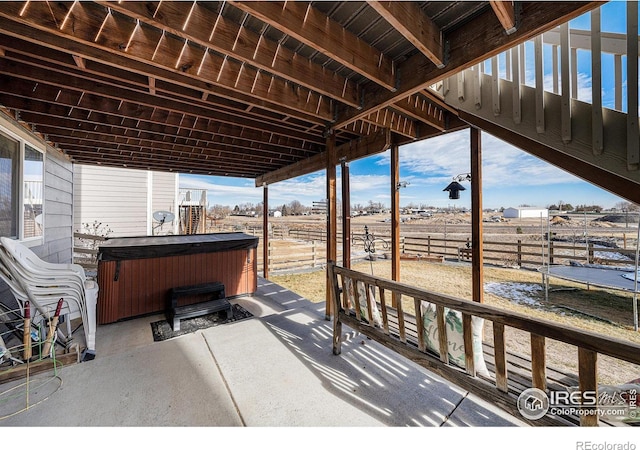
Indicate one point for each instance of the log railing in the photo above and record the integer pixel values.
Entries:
(403, 333)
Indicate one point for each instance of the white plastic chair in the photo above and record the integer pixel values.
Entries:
(43, 283)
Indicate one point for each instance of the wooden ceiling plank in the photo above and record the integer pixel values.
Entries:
(192, 166)
(105, 61)
(409, 20)
(178, 54)
(100, 123)
(150, 142)
(356, 149)
(243, 44)
(506, 14)
(305, 23)
(107, 74)
(390, 120)
(419, 108)
(54, 116)
(470, 44)
(116, 39)
(79, 61)
(145, 99)
(154, 152)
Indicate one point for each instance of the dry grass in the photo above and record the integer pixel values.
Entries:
(609, 313)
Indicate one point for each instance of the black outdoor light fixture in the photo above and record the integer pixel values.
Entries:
(401, 184)
(455, 187)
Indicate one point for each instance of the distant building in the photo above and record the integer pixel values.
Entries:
(277, 214)
(523, 212)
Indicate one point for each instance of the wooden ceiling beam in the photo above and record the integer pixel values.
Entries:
(222, 136)
(368, 145)
(218, 33)
(420, 108)
(66, 136)
(124, 160)
(470, 44)
(397, 123)
(202, 156)
(409, 20)
(91, 25)
(54, 60)
(145, 100)
(159, 122)
(79, 61)
(303, 22)
(506, 14)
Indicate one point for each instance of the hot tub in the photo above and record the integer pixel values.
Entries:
(135, 274)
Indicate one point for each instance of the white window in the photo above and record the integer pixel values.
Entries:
(21, 188)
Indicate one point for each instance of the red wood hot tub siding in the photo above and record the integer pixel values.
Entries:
(143, 284)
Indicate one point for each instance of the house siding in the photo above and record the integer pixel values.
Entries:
(57, 243)
(120, 199)
(164, 198)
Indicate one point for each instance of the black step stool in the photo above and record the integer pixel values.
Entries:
(217, 302)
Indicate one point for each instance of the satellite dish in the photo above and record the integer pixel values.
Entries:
(163, 216)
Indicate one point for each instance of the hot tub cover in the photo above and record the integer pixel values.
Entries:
(124, 248)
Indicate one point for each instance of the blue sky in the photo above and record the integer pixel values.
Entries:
(511, 177)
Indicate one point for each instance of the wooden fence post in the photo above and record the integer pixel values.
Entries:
(590, 255)
(550, 252)
(314, 256)
(429, 245)
(519, 253)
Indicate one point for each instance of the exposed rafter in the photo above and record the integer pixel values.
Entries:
(305, 23)
(505, 11)
(247, 89)
(415, 26)
(214, 31)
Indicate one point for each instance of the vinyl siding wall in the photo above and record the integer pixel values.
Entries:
(121, 199)
(57, 241)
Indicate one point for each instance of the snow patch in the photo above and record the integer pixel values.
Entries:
(521, 293)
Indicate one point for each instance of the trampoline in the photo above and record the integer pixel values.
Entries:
(623, 278)
(616, 278)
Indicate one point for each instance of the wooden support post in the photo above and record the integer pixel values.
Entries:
(417, 306)
(538, 362)
(332, 216)
(500, 357)
(588, 382)
(597, 130)
(383, 308)
(565, 82)
(265, 231)
(467, 334)
(477, 273)
(395, 218)
(346, 214)
(401, 328)
(337, 324)
(443, 342)
(539, 92)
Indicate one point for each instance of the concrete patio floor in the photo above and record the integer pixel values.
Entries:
(275, 369)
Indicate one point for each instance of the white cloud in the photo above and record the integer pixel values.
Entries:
(438, 160)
